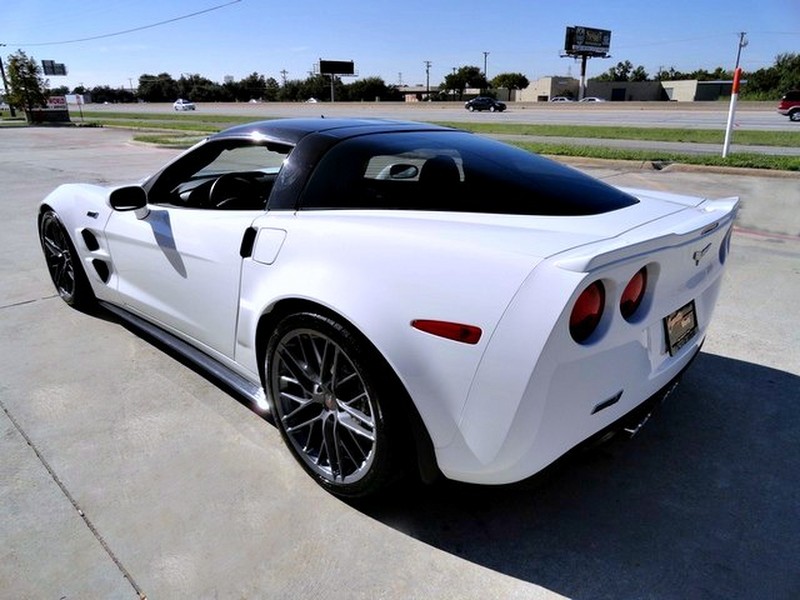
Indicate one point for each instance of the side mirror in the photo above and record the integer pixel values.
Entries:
(131, 197)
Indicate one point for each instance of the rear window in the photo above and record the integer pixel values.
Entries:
(452, 171)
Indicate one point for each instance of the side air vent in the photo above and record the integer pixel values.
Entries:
(101, 268)
(89, 239)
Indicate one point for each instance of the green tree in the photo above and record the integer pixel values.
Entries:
(252, 87)
(199, 89)
(370, 88)
(639, 74)
(463, 78)
(157, 88)
(28, 89)
(271, 90)
(621, 72)
(510, 81)
(104, 93)
(772, 82)
(669, 75)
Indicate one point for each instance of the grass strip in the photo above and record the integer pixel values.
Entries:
(210, 123)
(743, 160)
(748, 137)
(750, 161)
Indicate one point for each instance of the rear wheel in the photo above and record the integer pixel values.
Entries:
(795, 116)
(64, 264)
(329, 395)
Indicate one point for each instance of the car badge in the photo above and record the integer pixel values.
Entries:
(699, 254)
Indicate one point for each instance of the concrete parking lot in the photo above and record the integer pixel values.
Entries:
(127, 474)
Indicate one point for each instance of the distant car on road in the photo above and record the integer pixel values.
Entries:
(790, 105)
(561, 99)
(181, 104)
(484, 103)
(592, 99)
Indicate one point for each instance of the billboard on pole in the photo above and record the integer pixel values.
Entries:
(587, 41)
(336, 67)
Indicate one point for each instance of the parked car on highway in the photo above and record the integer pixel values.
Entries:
(485, 103)
(402, 297)
(561, 99)
(592, 99)
(790, 105)
(181, 104)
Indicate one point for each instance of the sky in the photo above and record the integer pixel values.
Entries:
(391, 40)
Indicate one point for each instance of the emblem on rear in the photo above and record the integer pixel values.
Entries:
(699, 254)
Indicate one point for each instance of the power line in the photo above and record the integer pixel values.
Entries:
(108, 35)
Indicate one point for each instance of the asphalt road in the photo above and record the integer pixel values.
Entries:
(694, 115)
(126, 473)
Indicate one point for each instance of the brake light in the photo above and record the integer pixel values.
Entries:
(633, 294)
(468, 334)
(586, 313)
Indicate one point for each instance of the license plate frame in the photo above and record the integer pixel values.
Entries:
(680, 327)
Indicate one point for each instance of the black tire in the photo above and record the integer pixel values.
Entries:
(795, 116)
(63, 263)
(336, 404)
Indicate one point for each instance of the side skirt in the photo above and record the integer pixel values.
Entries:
(244, 387)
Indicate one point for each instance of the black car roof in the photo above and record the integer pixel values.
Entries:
(291, 131)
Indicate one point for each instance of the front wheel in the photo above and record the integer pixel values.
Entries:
(795, 116)
(64, 264)
(330, 399)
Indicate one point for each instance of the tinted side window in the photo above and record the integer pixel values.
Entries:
(452, 171)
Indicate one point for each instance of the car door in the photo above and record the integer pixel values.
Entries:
(178, 262)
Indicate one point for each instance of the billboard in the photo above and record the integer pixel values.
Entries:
(50, 67)
(587, 41)
(336, 67)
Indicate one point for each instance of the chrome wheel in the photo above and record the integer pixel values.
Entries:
(324, 406)
(58, 255)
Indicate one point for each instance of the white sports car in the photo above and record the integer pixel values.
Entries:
(402, 297)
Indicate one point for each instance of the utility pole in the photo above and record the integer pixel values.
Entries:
(284, 73)
(5, 85)
(485, 62)
(428, 79)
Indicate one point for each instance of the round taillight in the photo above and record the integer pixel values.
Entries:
(587, 311)
(633, 294)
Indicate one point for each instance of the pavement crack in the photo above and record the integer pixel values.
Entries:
(24, 302)
(125, 573)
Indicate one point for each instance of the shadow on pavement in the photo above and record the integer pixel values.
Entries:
(703, 503)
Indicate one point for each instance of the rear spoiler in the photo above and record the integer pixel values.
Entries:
(673, 230)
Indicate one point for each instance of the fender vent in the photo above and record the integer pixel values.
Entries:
(88, 238)
(101, 268)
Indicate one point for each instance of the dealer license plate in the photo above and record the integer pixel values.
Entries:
(681, 327)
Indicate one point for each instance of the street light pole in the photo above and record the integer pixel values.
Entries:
(742, 44)
(485, 71)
